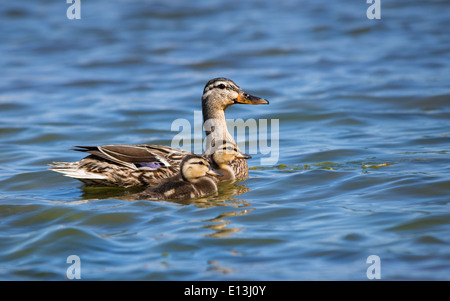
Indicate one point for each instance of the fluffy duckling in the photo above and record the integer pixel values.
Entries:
(223, 155)
(191, 182)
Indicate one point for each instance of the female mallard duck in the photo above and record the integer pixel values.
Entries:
(191, 182)
(143, 165)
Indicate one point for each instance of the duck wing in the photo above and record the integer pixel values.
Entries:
(136, 156)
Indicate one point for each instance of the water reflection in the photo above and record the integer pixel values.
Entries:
(99, 193)
(220, 225)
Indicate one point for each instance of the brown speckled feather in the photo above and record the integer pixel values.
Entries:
(178, 189)
(183, 185)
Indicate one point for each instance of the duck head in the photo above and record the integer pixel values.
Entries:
(220, 93)
(195, 167)
(227, 152)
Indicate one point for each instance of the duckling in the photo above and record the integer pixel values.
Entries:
(148, 165)
(191, 182)
(224, 153)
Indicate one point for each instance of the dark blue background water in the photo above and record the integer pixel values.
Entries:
(364, 113)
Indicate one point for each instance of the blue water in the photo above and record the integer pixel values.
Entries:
(364, 114)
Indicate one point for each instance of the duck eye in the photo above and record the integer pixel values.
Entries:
(221, 86)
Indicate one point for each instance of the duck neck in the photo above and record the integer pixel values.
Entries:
(204, 182)
(215, 127)
(227, 171)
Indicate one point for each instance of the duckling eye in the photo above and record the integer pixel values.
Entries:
(229, 148)
(221, 86)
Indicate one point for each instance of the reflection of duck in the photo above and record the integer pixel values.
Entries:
(191, 182)
(141, 165)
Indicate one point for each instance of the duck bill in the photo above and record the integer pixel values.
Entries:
(241, 155)
(214, 173)
(245, 98)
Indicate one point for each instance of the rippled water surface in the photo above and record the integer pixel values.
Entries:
(364, 114)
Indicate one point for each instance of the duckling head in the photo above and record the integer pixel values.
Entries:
(227, 152)
(220, 93)
(195, 167)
